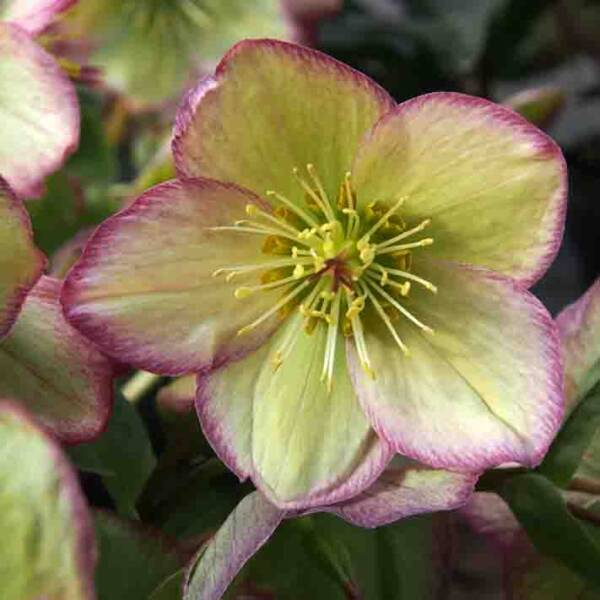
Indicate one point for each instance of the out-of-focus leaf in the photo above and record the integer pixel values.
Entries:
(95, 159)
(539, 106)
(133, 562)
(122, 455)
(574, 438)
(66, 208)
(323, 557)
(191, 499)
(531, 576)
(47, 548)
(554, 531)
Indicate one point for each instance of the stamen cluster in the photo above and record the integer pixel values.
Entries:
(334, 263)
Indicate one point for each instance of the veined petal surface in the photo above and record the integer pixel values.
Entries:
(579, 329)
(38, 110)
(246, 529)
(493, 185)
(21, 264)
(405, 489)
(302, 445)
(273, 106)
(32, 15)
(144, 289)
(55, 372)
(48, 548)
(484, 389)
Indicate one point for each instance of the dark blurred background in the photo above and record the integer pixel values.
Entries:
(497, 49)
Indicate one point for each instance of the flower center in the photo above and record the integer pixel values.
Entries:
(334, 263)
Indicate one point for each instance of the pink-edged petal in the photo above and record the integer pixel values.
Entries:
(144, 289)
(55, 372)
(270, 107)
(405, 489)
(246, 529)
(48, 548)
(21, 264)
(489, 515)
(32, 15)
(493, 185)
(579, 329)
(485, 389)
(39, 112)
(302, 445)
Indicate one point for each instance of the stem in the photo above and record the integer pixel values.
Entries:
(583, 484)
(584, 514)
(139, 385)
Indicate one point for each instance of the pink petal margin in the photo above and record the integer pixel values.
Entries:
(245, 531)
(16, 302)
(221, 440)
(193, 98)
(393, 496)
(27, 180)
(85, 544)
(35, 15)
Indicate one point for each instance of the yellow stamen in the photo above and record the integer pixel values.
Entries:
(405, 234)
(400, 247)
(384, 218)
(295, 209)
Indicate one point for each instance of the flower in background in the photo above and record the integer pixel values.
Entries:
(38, 105)
(151, 51)
(346, 274)
(45, 364)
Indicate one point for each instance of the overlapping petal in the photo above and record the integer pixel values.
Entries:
(55, 372)
(144, 289)
(216, 565)
(492, 183)
(405, 489)
(302, 445)
(38, 110)
(579, 329)
(32, 15)
(21, 264)
(485, 389)
(47, 548)
(272, 106)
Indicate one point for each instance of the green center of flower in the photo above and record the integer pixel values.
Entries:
(335, 264)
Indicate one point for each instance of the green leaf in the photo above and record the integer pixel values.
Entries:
(133, 562)
(541, 510)
(47, 549)
(95, 159)
(122, 455)
(323, 557)
(191, 499)
(574, 438)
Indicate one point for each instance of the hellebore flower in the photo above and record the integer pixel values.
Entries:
(45, 364)
(150, 51)
(346, 274)
(38, 105)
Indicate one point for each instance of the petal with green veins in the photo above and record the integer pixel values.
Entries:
(59, 375)
(271, 107)
(144, 289)
(302, 445)
(21, 264)
(484, 389)
(47, 548)
(579, 329)
(38, 110)
(246, 529)
(493, 185)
